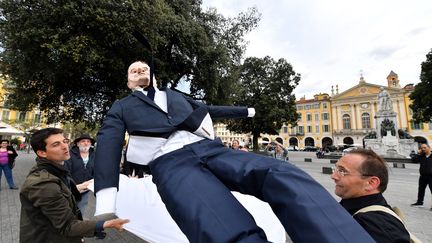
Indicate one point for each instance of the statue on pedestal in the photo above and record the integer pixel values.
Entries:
(404, 135)
(387, 125)
(385, 102)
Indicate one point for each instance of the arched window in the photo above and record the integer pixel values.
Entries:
(22, 116)
(346, 121)
(366, 120)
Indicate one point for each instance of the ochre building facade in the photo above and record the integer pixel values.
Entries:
(345, 118)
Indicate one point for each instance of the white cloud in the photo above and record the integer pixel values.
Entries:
(330, 41)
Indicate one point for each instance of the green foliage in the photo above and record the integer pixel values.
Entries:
(74, 130)
(422, 96)
(27, 126)
(24, 125)
(15, 141)
(70, 58)
(266, 85)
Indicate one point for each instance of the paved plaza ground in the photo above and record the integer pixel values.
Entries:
(401, 192)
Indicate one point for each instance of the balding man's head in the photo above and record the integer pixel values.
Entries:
(138, 75)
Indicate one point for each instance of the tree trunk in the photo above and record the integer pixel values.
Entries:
(255, 137)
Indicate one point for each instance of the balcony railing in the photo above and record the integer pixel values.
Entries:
(362, 131)
(296, 133)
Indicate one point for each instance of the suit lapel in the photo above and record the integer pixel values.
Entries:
(146, 99)
(172, 97)
(169, 96)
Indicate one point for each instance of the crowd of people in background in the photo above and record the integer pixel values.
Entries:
(235, 145)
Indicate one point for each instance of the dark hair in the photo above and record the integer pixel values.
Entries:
(424, 144)
(38, 138)
(373, 165)
(4, 140)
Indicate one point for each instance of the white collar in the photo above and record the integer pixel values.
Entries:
(142, 89)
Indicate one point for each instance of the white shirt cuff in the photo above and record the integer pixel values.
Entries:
(251, 112)
(106, 201)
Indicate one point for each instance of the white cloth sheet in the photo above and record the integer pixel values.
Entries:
(139, 201)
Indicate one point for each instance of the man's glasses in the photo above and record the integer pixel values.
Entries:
(342, 172)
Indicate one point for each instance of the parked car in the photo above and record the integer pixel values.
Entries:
(310, 149)
(347, 150)
(293, 148)
(330, 148)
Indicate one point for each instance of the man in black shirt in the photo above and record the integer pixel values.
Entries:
(425, 160)
(361, 176)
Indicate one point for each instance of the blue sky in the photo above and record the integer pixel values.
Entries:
(329, 42)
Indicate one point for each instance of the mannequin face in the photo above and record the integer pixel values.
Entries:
(138, 75)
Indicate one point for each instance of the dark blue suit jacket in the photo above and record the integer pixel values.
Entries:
(139, 115)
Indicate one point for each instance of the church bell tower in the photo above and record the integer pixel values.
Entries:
(393, 80)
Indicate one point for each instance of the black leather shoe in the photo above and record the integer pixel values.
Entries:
(417, 204)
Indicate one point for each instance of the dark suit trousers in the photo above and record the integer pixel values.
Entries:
(195, 182)
(424, 181)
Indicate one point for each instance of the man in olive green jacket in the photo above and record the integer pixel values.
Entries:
(49, 211)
